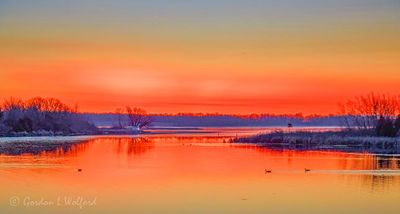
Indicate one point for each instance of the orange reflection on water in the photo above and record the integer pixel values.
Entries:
(203, 174)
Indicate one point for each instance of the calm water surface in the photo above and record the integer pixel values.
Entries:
(193, 173)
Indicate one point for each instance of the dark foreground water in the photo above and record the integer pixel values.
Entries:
(189, 173)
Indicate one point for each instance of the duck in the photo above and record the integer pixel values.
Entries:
(268, 171)
(306, 170)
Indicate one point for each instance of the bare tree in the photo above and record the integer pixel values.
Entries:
(13, 103)
(363, 112)
(48, 105)
(138, 117)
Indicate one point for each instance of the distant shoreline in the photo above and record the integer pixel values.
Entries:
(346, 141)
(160, 130)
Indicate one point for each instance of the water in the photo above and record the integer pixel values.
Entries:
(191, 173)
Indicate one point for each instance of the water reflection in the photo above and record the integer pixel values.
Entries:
(51, 148)
(343, 160)
(203, 172)
(373, 183)
(131, 146)
(357, 148)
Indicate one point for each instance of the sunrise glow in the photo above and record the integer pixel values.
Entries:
(200, 56)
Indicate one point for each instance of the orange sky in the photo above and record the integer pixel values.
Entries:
(228, 57)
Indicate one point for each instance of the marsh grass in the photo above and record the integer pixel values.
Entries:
(344, 140)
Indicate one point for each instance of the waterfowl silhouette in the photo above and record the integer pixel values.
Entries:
(306, 170)
(267, 171)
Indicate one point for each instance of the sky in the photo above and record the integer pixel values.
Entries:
(226, 56)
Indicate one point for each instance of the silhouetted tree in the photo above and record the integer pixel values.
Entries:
(138, 117)
(363, 112)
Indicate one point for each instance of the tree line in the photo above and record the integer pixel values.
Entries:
(373, 114)
(41, 116)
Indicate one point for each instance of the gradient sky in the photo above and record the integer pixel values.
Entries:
(223, 56)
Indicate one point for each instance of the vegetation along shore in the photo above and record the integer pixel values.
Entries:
(370, 124)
